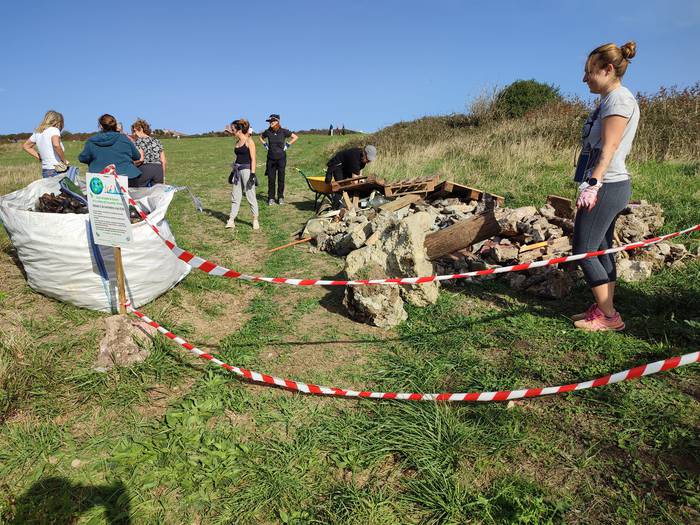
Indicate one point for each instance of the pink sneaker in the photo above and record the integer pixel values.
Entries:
(598, 321)
(591, 309)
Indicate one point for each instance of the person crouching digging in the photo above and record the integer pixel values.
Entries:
(243, 175)
(348, 163)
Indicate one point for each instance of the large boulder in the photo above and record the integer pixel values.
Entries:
(399, 252)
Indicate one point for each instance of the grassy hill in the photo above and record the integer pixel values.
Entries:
(173, 440)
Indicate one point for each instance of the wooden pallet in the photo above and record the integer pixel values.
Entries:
(452, 189)
(355, 185)
(418, 185)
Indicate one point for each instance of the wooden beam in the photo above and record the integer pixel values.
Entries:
(400, 203)
(460, 235)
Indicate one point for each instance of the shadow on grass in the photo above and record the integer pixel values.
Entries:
(216, 214)
(12, 253)
(57, 500)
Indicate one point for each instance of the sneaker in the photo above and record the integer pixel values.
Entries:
(591, 309)
(271, 202)
(231, 223)
(595, 322)
(256, 224)
(280, 201)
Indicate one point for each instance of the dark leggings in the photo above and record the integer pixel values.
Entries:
(151, 173)
(594, 230)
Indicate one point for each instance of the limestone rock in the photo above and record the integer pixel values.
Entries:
(398, 253)
(508, 219)
(381, 306)
(631, 270)
(125, 342)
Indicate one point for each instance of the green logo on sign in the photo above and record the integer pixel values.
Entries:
(96, 186)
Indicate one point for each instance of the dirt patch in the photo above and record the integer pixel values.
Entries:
(160, 397)
(216, 314)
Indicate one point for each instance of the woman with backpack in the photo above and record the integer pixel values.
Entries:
(605, 187)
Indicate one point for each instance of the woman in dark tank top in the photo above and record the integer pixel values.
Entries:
(243, 173)
(242, 154)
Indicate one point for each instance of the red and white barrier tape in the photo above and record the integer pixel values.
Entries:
(502, 395)
(220, 271)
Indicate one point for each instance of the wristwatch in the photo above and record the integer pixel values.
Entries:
(593, 182)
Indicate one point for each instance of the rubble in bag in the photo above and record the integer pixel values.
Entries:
(457, 229)
(47, 226)
(50, 203)
(63, 203)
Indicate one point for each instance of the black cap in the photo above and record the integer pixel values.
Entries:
(273, 116)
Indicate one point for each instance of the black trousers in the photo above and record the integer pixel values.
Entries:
(274, 170)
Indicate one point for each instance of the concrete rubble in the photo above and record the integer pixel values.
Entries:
(126, 341)
(380, 243)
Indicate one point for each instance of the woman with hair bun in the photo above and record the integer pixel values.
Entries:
(47, 140)
(243, 173)
(605, 187)
(110, 147)
(153, 166)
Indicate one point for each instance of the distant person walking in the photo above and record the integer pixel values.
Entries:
(243, 173)
(605, 188)
(330, 130)
(45, 145)
(153, 165)
(111, 147)
(274, 139)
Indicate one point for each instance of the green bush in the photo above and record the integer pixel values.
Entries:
(522, 96)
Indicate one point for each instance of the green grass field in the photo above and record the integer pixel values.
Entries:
(175, 440)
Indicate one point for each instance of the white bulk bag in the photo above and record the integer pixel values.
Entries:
(61, 262)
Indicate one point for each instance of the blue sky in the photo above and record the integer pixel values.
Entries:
(193, 66)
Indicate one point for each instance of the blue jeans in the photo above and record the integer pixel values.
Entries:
(72, 173)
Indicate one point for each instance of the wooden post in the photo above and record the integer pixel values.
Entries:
(120, 279)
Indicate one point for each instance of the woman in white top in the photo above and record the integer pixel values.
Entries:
(45, 145)
(606, 189)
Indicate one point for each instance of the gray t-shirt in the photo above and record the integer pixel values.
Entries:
(621, 102)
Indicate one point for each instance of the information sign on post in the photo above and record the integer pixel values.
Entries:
(109, 209)
(109, 219)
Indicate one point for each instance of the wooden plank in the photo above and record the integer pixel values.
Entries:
(460, 235)
(355, 201)
(529, 247)
(400, 203)
(346, 199)
(563, 207)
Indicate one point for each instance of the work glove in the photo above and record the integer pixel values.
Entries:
(287, 145)
(266, 146)
(588, 196)
(252, 182)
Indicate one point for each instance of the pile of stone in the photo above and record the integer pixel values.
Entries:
(417, 236)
